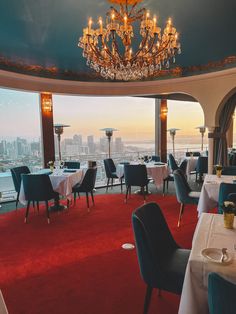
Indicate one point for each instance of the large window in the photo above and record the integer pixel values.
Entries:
(19, 133)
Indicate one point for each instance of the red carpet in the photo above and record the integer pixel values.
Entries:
(76, 264)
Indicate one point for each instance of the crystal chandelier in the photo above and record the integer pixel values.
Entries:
(108, 48)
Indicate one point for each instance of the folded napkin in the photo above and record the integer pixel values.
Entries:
(159, 163)
(69, 170)
(44, 171)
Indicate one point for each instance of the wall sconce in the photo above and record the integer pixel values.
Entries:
(47, 102)
(164, 111)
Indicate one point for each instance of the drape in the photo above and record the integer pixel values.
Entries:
(220, 141)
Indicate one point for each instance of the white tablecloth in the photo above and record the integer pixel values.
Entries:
(210, 192)
(156, 172)
(62, 182)
(3, 308)
(191, 164)
(210, 233)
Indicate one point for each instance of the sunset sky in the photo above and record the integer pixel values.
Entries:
(132, 116)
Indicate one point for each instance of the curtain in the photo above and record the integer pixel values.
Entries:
(220, 141)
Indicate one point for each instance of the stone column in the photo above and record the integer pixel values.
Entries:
(210, 149)
(160, 128)
(47, 131)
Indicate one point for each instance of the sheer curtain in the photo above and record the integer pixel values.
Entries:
(220, 141)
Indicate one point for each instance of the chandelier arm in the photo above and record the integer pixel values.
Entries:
(143, 43)
(160, 51)
(98, 52)
(132, 9)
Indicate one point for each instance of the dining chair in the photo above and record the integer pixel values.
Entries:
(184, 193)
(16, 173)
(224, 191)
(136, 175)
(229, 171)
(156, 158)
(201, 167)
(221, 295)
(110, 170)
(170, 177)
(72, 164)
(38, 188)
(87, 185)
(162, 262)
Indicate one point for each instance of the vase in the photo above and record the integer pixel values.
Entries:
(229, 220)
(218, 173)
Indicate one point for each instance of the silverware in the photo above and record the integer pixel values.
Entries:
(224, 254)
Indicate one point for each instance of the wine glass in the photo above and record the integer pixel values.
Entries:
(62, 164)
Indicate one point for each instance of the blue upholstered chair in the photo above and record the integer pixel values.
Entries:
(184, 193)
(229, 170)
(156, 158)
(221, 295)
(225, 190)
(110, 170)
(72, 164)
(135, 175)
(38, 188)
(87, 185)
(162, 262)
(16, 173)
(201, 167)
(173, 166)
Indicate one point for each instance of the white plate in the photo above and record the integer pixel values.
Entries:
(214, 255)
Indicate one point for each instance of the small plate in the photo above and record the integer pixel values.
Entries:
(214, 255)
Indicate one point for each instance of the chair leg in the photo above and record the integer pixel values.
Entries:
(167, 185)
(164, 185)
(108, 180)
(144, 196)
(67, 203)
(121, 185)
(126, 194)
(47, 211)
(147, 299)
(111, 183)
(92, 197)
(17, 199)
(27, 211)
(180, 213)
(38, 206)
(74, 197)
(87, 199)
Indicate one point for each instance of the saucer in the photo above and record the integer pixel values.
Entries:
(214, 255)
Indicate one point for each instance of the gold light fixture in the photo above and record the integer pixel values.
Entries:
(109, 49)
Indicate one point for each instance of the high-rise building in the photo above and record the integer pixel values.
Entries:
(119, 146)
(78, 139)
(91, 144)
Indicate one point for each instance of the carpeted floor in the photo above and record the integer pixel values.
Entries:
(76, 264)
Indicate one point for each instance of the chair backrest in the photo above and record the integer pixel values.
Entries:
(135, 175)
(225, 190)
(182, 187)
(229, 170)
(154, 242)
(72, 164)
(109, 167)
(172, 163)
(202, 164)
(221, 295)
(156, 158)
(37, 187)
(16, 173)
(183, 166)
(89, 180)
(196, 154)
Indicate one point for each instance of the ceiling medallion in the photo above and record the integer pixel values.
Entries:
(116, 52)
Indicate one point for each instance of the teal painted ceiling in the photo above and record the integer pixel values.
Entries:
(40, 37)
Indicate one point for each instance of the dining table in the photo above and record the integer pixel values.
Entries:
(210, 192)
(158, 171)
(191, 165)
(210, 236)
(62, 182)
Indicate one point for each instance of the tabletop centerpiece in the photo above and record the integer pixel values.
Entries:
(51, 165)
(218, 169)
(229, 211)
